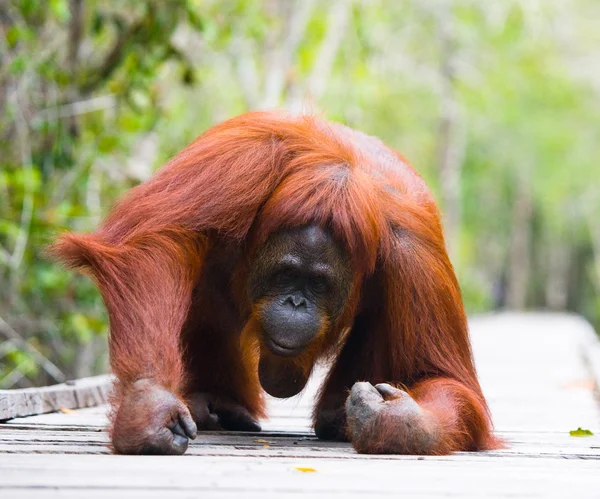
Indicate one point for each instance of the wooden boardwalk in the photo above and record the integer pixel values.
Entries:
(537, 371)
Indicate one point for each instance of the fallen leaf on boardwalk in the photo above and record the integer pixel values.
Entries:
(65, 410)
(584, 384)
(580, 432)
(262, 441)
(306, 470)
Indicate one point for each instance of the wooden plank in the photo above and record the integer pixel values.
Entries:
(236, 476)
(35, 439)
(86, 392)
(533, 370)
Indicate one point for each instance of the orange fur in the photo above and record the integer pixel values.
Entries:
(168, 242)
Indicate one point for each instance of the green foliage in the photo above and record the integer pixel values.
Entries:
(64, 166)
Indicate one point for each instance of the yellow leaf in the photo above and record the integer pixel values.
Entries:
(262, 441)
(306, 470)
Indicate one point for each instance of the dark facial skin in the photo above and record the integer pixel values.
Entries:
(301, 278)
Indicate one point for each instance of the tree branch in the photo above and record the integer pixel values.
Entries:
(26, 164)
(112, 60)
(38, 357)
(245, 66)
(75, 33)
(280, 55)
(451, 143)
(337, 23)
(76, 108)
(595, 238)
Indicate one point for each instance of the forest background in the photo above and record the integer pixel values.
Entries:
(495, 103)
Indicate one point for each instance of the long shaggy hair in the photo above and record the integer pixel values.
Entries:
(247, 178)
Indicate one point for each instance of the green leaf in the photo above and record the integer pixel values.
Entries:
(9, 228)
(18, 65)
(580, 432)
(12, 36)
(81, 325)
(108, 143)
(60, 9)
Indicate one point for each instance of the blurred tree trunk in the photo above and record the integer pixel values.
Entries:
(282, 45)
(75, 36)
(91, 358)
(557, 274)
(337, 25)
(595, 238)
(519, 257)
(84, 360)
(451, 135)
(86, 353)
(277, 81)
